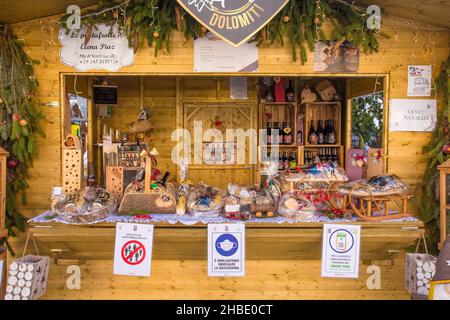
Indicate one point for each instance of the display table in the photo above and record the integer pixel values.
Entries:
(184, 238)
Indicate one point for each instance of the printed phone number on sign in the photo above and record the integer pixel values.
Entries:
(97, 61)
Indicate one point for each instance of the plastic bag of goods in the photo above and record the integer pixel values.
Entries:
(205, 201)
(296, 205)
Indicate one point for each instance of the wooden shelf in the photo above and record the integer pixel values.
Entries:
(3, 233)
(281, 146)
(323, 146)
(322, 103)
(278, 103)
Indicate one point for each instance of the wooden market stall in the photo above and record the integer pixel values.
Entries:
(283, 259)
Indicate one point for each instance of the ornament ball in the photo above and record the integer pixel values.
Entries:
(286, 19)
(23, 123)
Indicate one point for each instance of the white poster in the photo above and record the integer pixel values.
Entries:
(412, 115)
(211, 54)
(419, 81)
(107, 49)
(340, 250)
(133, 250)
(226, 250)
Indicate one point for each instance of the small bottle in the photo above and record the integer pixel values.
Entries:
(286, 161)
(319, 133)
(290, 93)
(299, 137)
(287, 134)
(292, 161)
(312, 138)
(269, 133)
(331, 133)
(276, 136)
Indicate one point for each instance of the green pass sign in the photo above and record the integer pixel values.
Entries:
(340, 250)
(235, 21)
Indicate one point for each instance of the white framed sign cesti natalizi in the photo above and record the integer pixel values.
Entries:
(107, 49)
(412, 115)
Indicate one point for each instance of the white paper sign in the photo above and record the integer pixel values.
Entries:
(106, 50)
(340, 250)
(412, 115)
(419, 81)
(133, 250)
(212, 54)
(226, 250)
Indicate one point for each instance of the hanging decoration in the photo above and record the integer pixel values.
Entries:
(428, 200)
(300, 22)
(19, 120)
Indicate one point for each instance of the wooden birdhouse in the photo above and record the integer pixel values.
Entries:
(72, 164)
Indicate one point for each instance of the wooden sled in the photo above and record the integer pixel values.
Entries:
(363, 202)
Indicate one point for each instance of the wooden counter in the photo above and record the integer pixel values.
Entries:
(298, 241)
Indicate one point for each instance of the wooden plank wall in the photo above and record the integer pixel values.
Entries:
(409, 43)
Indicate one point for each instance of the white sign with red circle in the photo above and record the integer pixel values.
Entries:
(133, 250)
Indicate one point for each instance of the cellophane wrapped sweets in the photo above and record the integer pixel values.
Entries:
(296, 205)
(378, 186)
(205, 201)
(320, 172)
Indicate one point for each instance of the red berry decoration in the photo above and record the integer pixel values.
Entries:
(12, 164)
(15, 117)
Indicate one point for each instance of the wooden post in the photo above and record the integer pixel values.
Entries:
(148, 172)
(444, 170)
(3, 231)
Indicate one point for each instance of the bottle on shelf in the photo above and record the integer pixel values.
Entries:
(91, 175)
(299, 137)
(286, 162)
(290, 94)
(320, 133)
(280, 162)
(292, 161)
(326, 131)
(287, 133)
(269, 133)
(331, 135)
(312, 137)
(276, 132)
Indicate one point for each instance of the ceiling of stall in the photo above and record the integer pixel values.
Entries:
(434, 12)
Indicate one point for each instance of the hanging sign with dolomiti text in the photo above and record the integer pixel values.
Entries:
(235, 21)
(106, 49)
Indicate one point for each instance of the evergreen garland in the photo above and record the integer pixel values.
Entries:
(19, 121)
(300, 21)
(428, 199)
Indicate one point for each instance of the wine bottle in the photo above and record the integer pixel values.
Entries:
(292, 161)
(287, 134)
(326, 132)
(312, 137)
(290, 94)
(269, 133)
(320, 135)
(276, 134)
(280, 162)
(299, 137)
(332, 134)
(286, 162)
